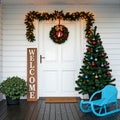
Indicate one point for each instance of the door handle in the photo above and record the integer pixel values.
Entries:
(41, 57)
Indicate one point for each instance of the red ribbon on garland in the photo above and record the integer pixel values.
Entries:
(59, 21)
(59, 33)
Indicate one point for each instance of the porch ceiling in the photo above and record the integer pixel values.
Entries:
(61, 2)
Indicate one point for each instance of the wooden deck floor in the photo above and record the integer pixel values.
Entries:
(51, 111)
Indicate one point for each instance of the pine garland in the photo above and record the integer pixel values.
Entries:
(76, 16)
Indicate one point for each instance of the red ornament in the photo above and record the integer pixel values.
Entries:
(108, 73)
(59, 21)
(93, 42)
(105, 64)
(93, 64)
(87, 49)
(103, 54)
(87, 40)
(59, 33)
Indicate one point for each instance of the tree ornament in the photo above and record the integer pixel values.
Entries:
(87, 68)
(103, 54)
(93, 39)
(87, 49)
(87, 40)
(93, 64)
(94, 43)
(86, 76)
(96, 76)
(108, 73)
(102, 65)
(97, 51)
(93, 73)
(96, 59)
(91, 58)
(105, 64)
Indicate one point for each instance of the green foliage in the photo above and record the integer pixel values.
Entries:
(33, 15)
(95, 72)
(14, 87)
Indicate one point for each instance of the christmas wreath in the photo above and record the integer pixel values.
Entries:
(59, 34)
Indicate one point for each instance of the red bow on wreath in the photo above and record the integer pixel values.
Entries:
(59, 33)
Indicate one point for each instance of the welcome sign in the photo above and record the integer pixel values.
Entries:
(32, 74)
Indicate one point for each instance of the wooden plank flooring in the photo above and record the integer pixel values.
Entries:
(47, 111)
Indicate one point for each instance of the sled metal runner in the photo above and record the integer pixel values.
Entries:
(102, 107)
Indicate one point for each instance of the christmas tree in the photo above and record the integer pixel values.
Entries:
(95, 72)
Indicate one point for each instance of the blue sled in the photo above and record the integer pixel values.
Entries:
(106, 105)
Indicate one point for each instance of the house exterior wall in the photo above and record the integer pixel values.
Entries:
(15, 45)
(0, 43)
(0, 46)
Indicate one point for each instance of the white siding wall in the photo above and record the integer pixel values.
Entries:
(107, 18)
(0, 47)
(0, 44)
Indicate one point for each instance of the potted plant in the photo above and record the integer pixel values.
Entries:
(13, 88)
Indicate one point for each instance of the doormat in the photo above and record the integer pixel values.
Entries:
(60, 99)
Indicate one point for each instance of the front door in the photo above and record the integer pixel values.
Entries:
(60, 63)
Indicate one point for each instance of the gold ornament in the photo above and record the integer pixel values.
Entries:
(96, 76)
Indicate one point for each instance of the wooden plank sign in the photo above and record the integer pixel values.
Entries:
(32, 74)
